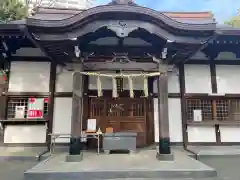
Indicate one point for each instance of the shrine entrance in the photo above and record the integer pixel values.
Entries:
(125, 115)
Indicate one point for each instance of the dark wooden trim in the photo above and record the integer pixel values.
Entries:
(63, 94)
(218, 134)
(170, 95)
(52, 84)
(214, 90)
(227, 62)
(171, 143)
(213, 144)
(209, 96)
(215, 122)
(183, 104)
(216, 62)
(125, 93)
(23, 122)
(196, 95)
(4, 99)
(25, 144)
(85, 102)
(28, 94)
(191, 61)
(30, 58)
(213, 76)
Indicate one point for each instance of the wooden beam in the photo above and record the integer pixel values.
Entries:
(214, 90)
(126, 66)
(52, 84)
(183, 104)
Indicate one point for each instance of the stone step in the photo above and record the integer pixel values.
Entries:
(142, 165)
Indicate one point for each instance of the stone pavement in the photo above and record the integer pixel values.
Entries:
(226, 159)
(14, 170)
(21, 153)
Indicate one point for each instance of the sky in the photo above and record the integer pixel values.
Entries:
(222, 9)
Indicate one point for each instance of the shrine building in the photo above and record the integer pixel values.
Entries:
(171, 77)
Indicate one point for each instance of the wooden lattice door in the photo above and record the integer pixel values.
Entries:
(122, 114)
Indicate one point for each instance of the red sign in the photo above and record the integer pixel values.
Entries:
(46, 100)
(34, 113)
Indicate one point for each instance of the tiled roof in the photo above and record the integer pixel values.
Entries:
(190, 15)
(185, 17)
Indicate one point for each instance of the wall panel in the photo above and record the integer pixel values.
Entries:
(25, 134)
(228, 77)
(173, 83)
(62, 117)
(201, 134)
(197, 79)
(64, 80)
(29, 77)
(175, 121)
(230, 134)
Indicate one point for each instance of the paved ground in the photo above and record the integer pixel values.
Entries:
(13, 170)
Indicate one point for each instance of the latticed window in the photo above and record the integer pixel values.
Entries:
(196, 104)
(211, 109)
(15, 102)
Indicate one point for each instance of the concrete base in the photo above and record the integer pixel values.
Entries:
(74, 158)
(165, 157)
(143, 165)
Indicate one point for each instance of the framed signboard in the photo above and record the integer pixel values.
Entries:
(35, 108)
(19, 112)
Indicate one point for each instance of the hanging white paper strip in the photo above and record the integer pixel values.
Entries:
(130, 81)
(145, 86)
(99, 86)
(114, 81)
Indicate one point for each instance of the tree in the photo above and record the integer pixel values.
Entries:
(234, 21)
(12, 10)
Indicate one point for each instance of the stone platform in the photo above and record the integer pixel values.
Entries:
(143, 165)
(215, 150)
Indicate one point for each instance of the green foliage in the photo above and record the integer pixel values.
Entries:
(12, 10)
(234, 21)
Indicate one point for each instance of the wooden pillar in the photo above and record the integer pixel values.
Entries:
(52, 84)
(77, 114)
(183, 104)
(164, 139)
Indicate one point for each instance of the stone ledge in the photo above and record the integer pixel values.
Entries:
(165, 157)
(74, 158)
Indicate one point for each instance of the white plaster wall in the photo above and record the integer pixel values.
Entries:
(62, 117)
(226, 56)
(173, 83)
(201, 134)
(175, 121)
(29, 77)
(198, 79)
(64, 80)
(199, 56)
(25, 134)
(230, 134)
(228, 77)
